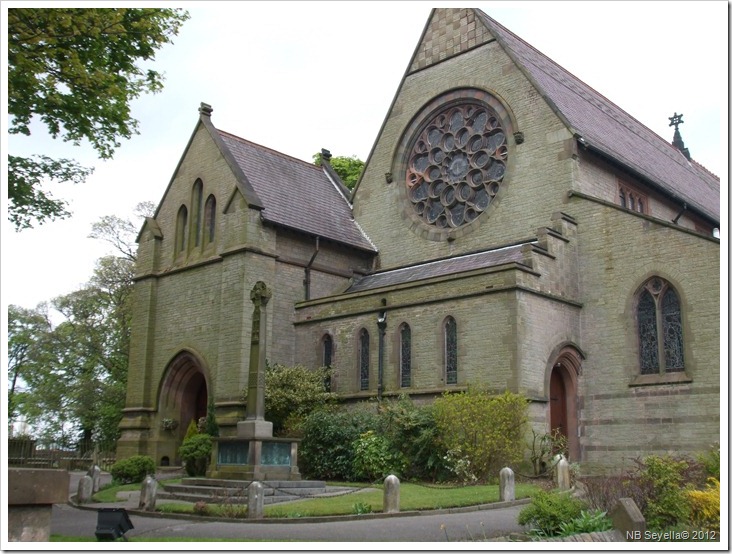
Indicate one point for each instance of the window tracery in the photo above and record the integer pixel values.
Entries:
(660, 334)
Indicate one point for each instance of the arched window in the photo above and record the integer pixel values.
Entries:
(197, 204)
(209, 219)
(450, 332)
(327, 343)
(363, 359)
(660, 336)
(180, 230)
(405, 356)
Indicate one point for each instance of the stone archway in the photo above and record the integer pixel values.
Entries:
(183, 395)
(562, 389)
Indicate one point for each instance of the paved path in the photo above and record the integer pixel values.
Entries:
(426, 527)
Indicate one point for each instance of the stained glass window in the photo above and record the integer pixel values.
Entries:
(363, 358)
(673, 344)
(450, 351)
(405, 358)
(660, 336)
(327, 358)
(648, 333)
(456, 165)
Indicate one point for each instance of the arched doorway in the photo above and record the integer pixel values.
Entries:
(183, 392)
(562, 393)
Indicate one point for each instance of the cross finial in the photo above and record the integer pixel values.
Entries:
(676, 120)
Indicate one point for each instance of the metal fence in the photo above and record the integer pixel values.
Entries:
(29, 453)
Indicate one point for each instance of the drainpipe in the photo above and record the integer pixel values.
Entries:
(381, 323)
(306, 282)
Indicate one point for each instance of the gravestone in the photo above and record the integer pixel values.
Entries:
(628, 519)
(391, 495)
(148, 494)
(255, 496)
(84, 492)
(507, 486)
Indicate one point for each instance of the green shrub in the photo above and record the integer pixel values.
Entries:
(668, 504)
(374, 458)
(710, 462)
(212, 426)
(412, 430)
(592, 521)
(133, 469)
(548, 511)
(196, 453)
(291, 393)
(191, 430)
(487, 430)
(705, 506)
(327, 447)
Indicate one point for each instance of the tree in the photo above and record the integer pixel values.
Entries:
(76, 70)
(348, 168)
(75, 374)
(27, 332)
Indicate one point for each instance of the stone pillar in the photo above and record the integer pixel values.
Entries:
(255, 497)
(507, 487)
(148, 494)
(95, 473)
(561, 473)
(31, 495)
(84, 491)
(391, 495)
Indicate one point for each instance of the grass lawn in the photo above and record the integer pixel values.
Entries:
(412, 497)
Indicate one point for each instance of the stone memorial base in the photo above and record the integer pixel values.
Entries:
(254, 459)
(31, 495)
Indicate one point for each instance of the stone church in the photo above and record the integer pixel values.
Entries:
(512, 228)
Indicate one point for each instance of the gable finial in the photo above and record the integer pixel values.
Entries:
(678, 142)
(205, 109)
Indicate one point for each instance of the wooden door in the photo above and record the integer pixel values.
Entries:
(558, 403)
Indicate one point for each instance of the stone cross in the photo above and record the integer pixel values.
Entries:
(260, 295)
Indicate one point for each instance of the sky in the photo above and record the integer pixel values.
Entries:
(301, 76)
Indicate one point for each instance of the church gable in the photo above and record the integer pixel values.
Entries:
(448, 33)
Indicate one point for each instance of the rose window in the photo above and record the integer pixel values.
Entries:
(456, 165)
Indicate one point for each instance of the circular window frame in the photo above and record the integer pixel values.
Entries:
(417, 125)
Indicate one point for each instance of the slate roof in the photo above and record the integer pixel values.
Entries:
(610, 130)
(296, 194)
(450, 266)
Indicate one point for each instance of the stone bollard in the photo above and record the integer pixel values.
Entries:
(84, 492)
(148, 494)
(561, 474)
(255, 496)
(391, 495)
(95, 473)
(507, 486)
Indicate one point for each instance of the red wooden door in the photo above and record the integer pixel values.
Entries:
(558, 403)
